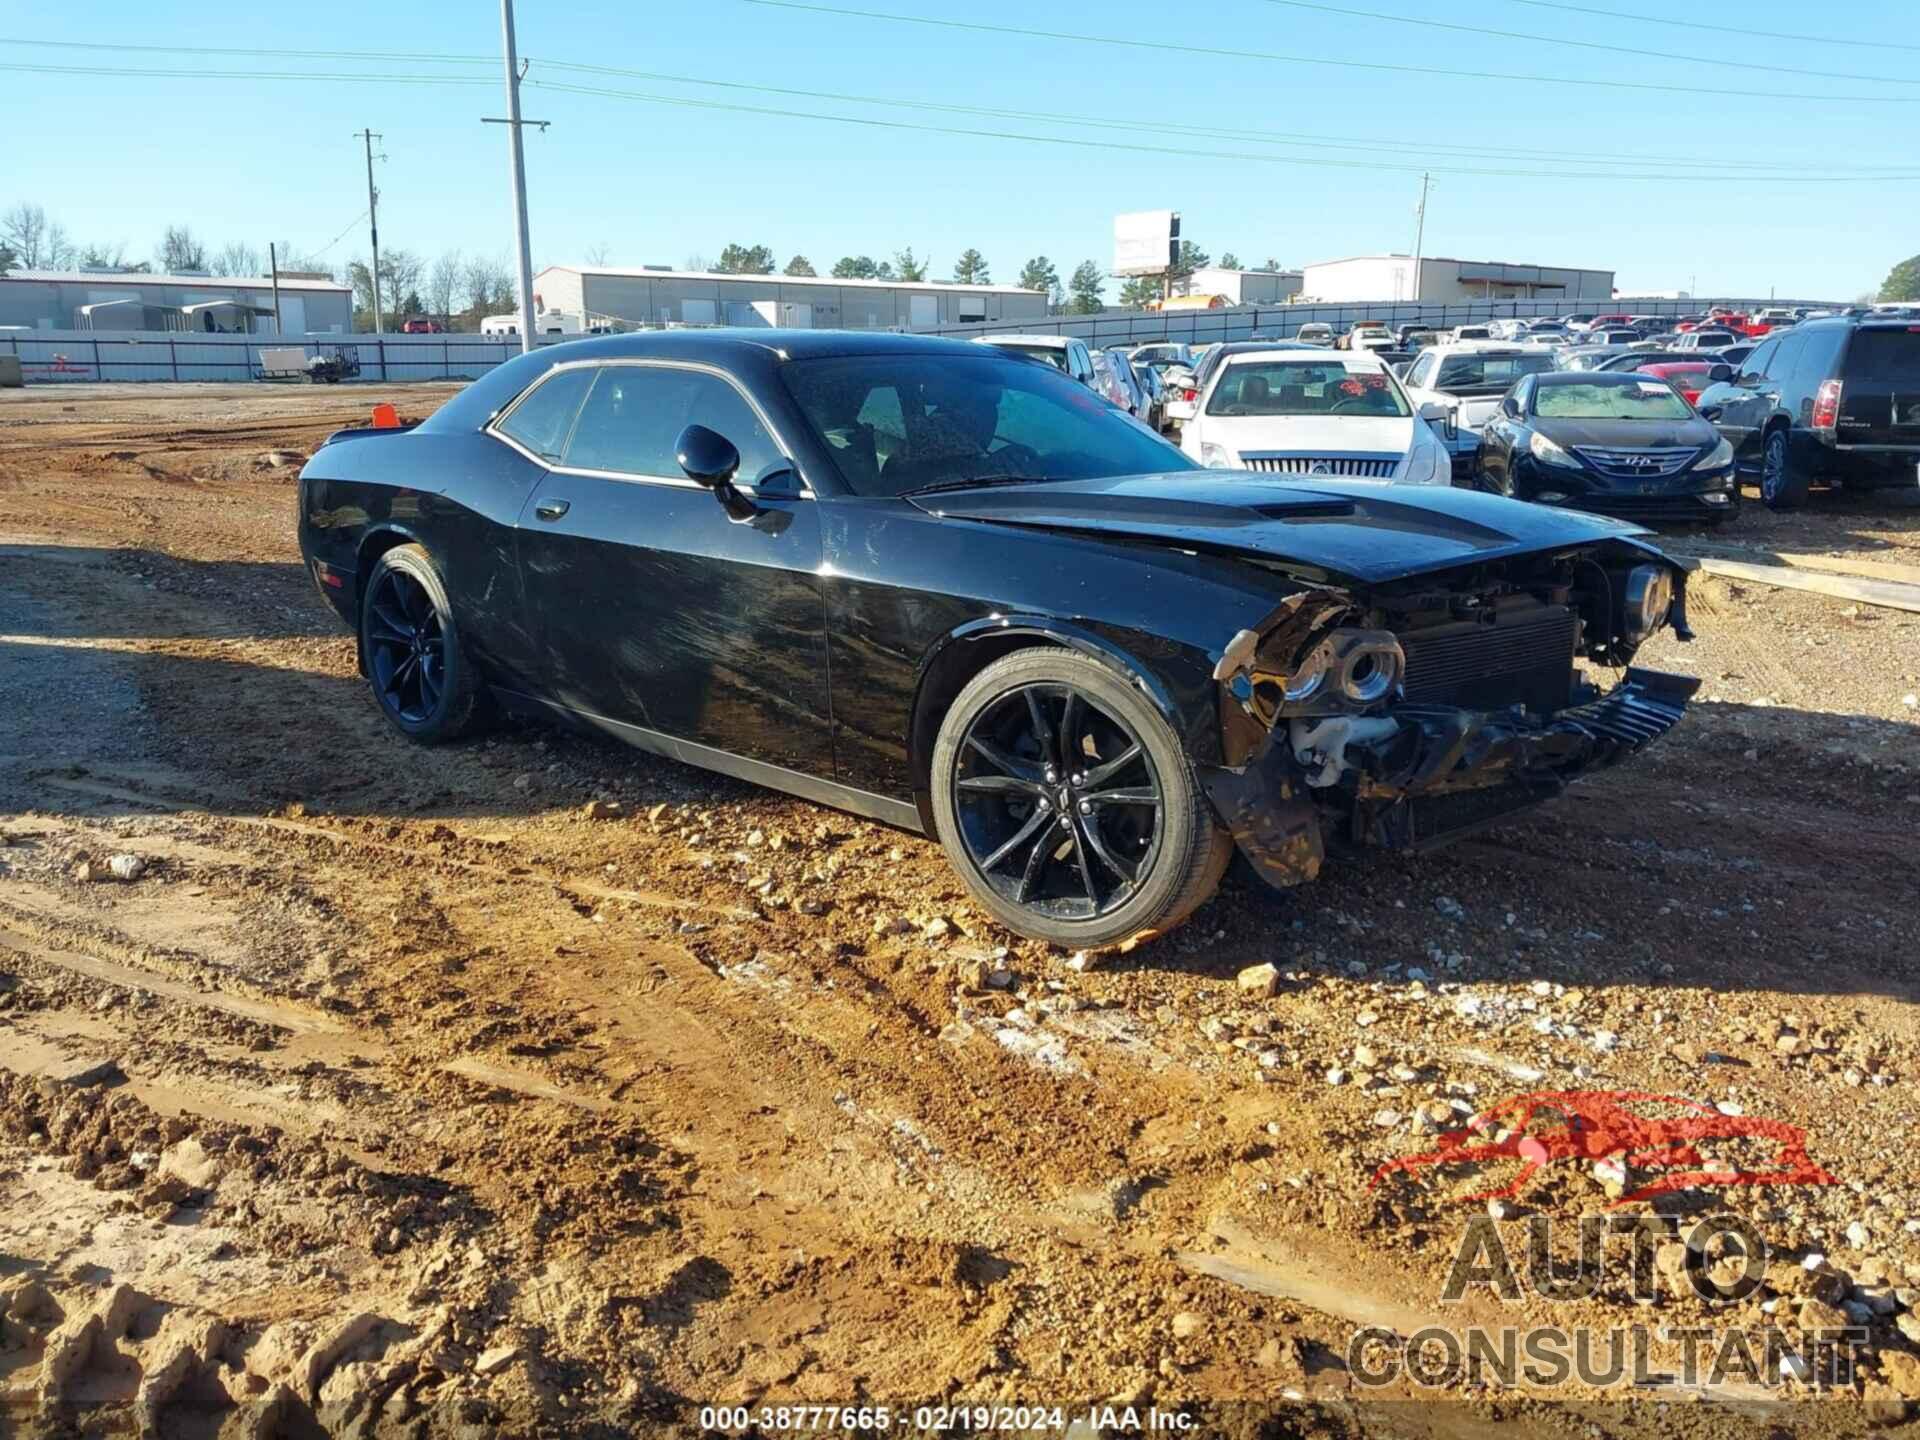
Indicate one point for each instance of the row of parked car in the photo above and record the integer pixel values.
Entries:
(1623, 415)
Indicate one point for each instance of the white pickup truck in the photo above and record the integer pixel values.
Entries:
(1469, 380)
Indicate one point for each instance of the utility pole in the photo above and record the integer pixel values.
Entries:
(273, 265)
(373, 223)
(513, 122)
(1420, 233)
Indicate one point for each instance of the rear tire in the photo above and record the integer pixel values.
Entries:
(1783, 485)
(422, 679)
(1067, 806)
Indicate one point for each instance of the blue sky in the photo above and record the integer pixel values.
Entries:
(115, 157)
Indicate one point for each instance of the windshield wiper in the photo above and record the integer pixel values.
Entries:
(979, 482)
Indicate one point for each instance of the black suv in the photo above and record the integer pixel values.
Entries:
(1836, 401)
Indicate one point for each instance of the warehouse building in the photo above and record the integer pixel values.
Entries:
(125, 300)
(653, 295)
(1245, 287)
(1391, 277)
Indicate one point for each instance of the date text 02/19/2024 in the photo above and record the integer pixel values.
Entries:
(945, 1419)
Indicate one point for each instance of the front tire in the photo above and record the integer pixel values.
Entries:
(1783, 485)
(422, 678)
(1067, 805)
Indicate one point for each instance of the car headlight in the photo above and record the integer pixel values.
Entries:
(1215, 457)
(1717, 458)
(1649, 599)
(1348, 669)
(1423, 465)
(1548, 453)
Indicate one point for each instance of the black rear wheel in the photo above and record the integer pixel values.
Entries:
(426, 686)
(1067, 805)
(1783, 486)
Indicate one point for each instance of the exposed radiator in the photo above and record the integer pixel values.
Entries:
(1525, 659)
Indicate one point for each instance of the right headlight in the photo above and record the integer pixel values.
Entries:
(1548, 453)
(1717, 458)
(1649, 599)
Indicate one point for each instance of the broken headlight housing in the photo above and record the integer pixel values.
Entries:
(1649, 600)
(1345, 670)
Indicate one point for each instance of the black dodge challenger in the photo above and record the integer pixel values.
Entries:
(952, 589)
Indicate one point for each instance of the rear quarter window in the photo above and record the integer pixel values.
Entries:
(542, 420)
(1879, 357)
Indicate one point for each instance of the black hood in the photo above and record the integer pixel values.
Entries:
(1353, 529)
(1626, 434)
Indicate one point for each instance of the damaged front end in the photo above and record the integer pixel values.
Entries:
(1408, 714)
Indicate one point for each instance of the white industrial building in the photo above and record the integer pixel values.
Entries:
(1246, 287)
(129, 300)
(652, 295)
(1391, 277)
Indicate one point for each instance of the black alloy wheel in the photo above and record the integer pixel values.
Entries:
(410, 648)
(1059, 805)
(1068, 804)
(406, 648)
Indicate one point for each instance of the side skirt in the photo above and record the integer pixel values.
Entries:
(899, 813)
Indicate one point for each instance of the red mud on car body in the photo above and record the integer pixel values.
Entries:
(1598, 1126)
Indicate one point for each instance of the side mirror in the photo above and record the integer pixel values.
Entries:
(1710, 412)
(712, 460)
(1720, 374)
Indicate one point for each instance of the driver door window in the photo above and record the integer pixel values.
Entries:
(1422, 369)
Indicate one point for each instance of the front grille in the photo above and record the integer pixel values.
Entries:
(1332, 467)
(1648, 464)
(1524, 659)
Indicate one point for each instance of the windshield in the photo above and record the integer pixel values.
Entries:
(899, 423)
(1462, 374)
(1054, 355)
(1303, 387)
(1635, 400)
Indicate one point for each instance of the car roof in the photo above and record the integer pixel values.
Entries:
(1052, 342)
(1587, 377)
(721, 344)
(1364, 359)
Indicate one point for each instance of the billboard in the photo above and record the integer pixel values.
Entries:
(1144, 242)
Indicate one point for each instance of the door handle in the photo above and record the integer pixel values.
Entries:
(552, 509)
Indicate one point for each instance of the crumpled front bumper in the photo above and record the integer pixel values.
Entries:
(1442, 773)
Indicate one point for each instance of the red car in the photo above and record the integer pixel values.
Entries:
(1689, 377)
(421, 326)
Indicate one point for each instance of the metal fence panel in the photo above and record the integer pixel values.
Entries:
(53, 356)
(1241, 322)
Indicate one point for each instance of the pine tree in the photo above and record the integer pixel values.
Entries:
(745, 260)
(1903, 281)
(1229, 261)
(971, 269)
(907, 266)
(800, 265)
(1085, 287)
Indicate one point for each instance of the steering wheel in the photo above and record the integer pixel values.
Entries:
(1013, 456)
(1345, 406)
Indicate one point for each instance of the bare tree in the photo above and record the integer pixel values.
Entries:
(597, 254)
(399, 275)
(484, 281)
(698, 262)
(238, 258)
(102, 256)
(443, 283)
(179, 252)
(36, 242)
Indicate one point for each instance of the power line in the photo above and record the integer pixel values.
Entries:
(357, 55)
(1827, 176)
(240, 74)
(1537, 39)
(338, 238)
(1261, 137)
(1745, 32)
(1134, 146)
(1164, 47)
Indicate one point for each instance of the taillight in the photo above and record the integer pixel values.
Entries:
(1826, 405)
(1189, 395)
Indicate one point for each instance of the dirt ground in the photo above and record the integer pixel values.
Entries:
(403, 1090)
